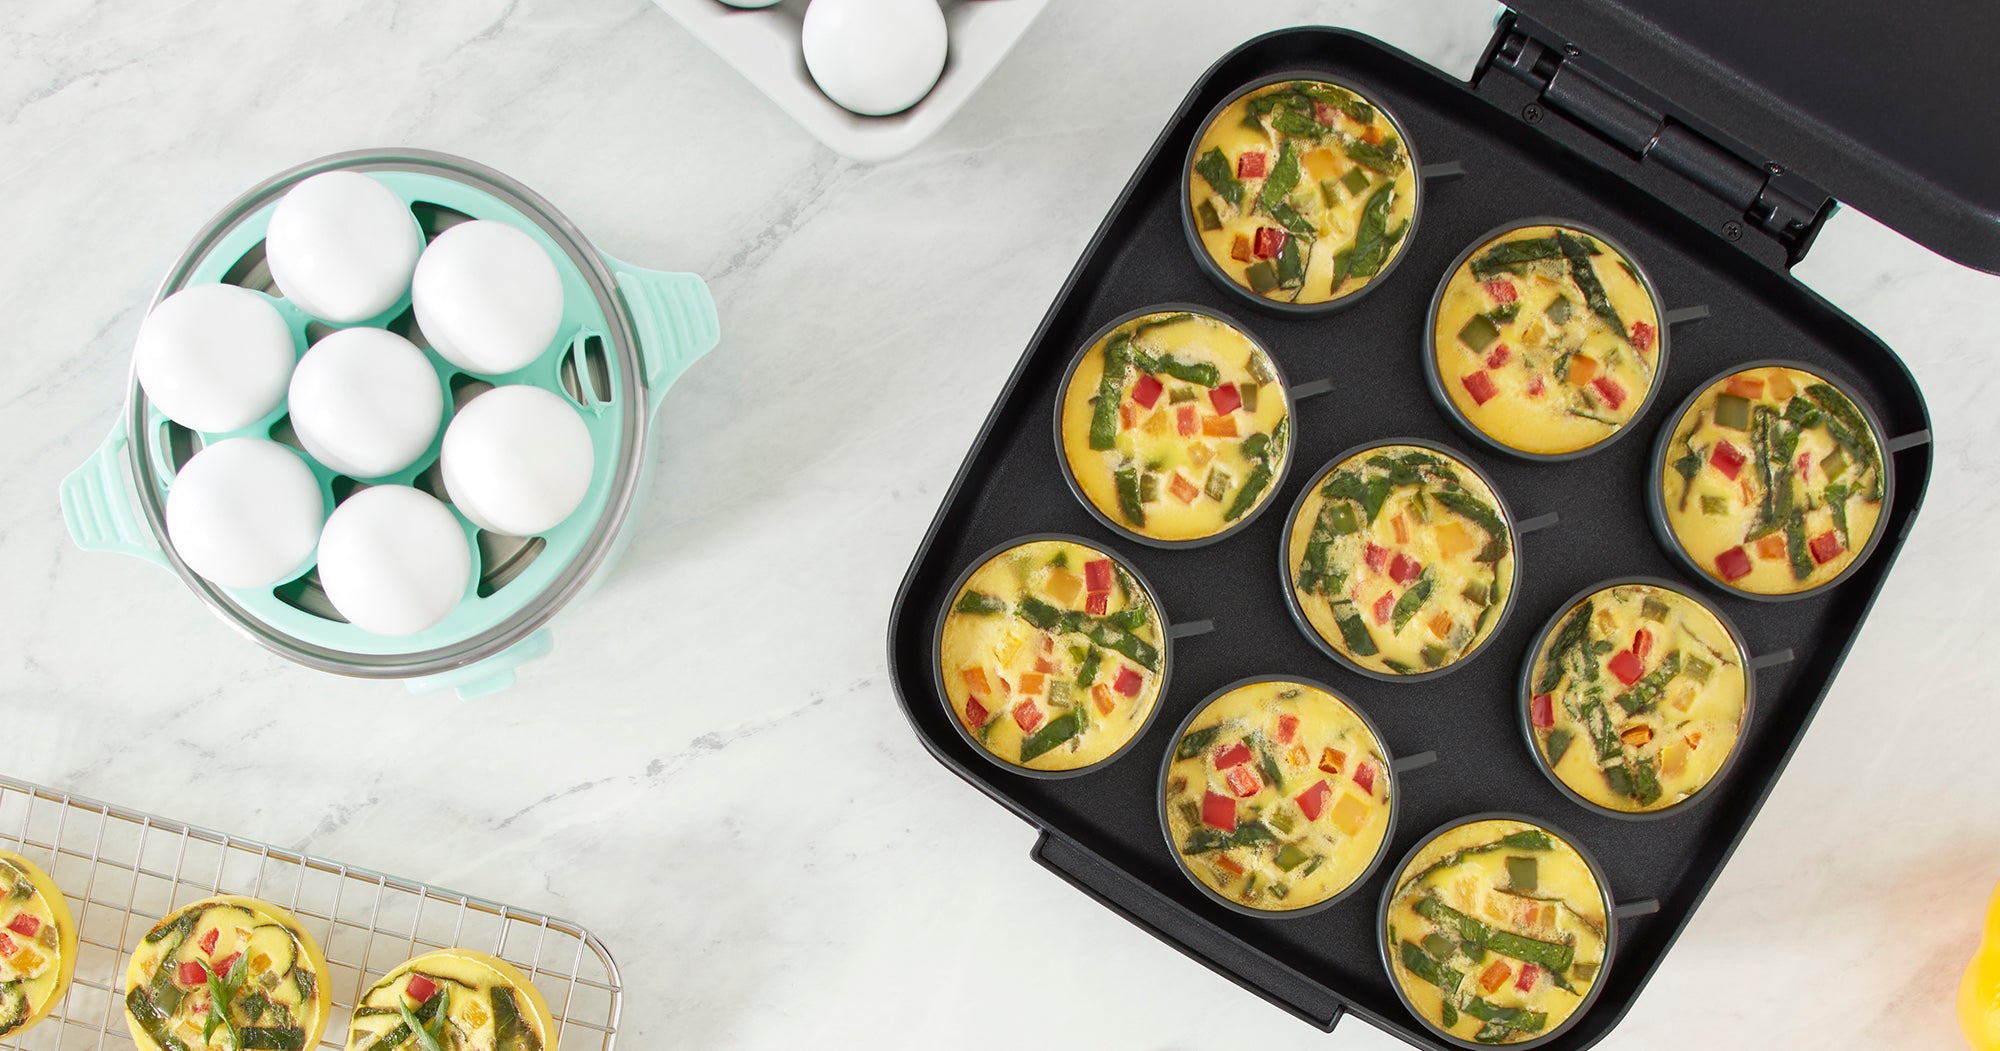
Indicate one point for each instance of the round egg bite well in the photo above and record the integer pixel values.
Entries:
(1496, 931)
(1174, 427)
(1546, 341)
(1772, 482)
(1399, 560)
(37, 944)
(1634, 696)
(268, 972)
(1300, 193)
(461, 998)
(1052, 655)
(1276, 797)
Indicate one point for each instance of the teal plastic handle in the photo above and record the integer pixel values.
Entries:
(97, 510)
(676, 320)
(490, 676)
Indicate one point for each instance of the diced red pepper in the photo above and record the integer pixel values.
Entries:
(1324, 113)
(1825, 547)
(1127, 416)
(1364, 777)
(1537, 386)
(1733, 563)
(1385, 606)
(1218, 811)
(1805, 464)
(208, 940)
(25, 925)
(1250, 164)
(1187, 420)
(1375, 555)
(1270, 241)
(1726, 458)
(976, 713)
(1226, 399)
(1242, 782)
(1042, 663)
(1027, 716)
(1542, 711)
(192, 974)
(1185, 491)
(1626, 666)
(1312, 801)
(1526, 979)
(1480, 386)
(222, 966)
(420, 988)
(1128, 682)
(1235, 755)
(1288, 728)
(1097, 603)
(7, 946)
(1501, 289)
(1105, 699)
(1499, 356)
(1609, 390)
(1404, 569)
(1097, 575)
(1147, 391)
(1642, 643)
(1332, 760)
(1642, 336)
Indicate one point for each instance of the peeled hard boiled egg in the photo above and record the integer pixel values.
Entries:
(394, 560)
(488, 297)
(517, 460)
(875, 57)
(214, 357)
(244, 513)
(342, 246)
(365, 402)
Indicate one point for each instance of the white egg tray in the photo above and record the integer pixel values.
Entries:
(763, 45)
(122, 870)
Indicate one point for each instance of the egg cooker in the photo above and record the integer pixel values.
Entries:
(627, 333)
(1544, 127)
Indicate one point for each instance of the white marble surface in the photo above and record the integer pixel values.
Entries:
(711, 772)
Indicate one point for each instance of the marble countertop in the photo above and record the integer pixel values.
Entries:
(750, 824)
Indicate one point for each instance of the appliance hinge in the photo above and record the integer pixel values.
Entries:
(1643, 125)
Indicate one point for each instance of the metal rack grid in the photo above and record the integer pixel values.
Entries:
(122, 870)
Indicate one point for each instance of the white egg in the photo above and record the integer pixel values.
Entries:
(517, 460)
(875, 57)
(394, 560)
(342, 246)
(214, 357)
(245, 513)
(366, 402)
(488, 297)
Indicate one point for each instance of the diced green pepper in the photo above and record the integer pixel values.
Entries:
(1732, 411)
(1699, 670)
(1218, 483)
(1654, 610)
(1558, 311)
(979, 604)
(1714, 505)
(1356, 180)
(1248, 392)
(1433, 655)
(1477, 592)
(1340, 519)
(1263, 277)
(1149, 487)
(1204, 214)
(1196, 742)
(1479, 332)
(1439, 946)
(1290, 856)
(1179, 395)
(1834, 465)
(1522, 874)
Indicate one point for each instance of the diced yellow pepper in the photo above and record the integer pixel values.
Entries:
(1158, 424)
(1350, 813)
(1200, 454)
(1673, 759)
(1010, 644)
(1323, 165)
(474, 1015)
(28, 961)
(1452, 539)
(1063, 586)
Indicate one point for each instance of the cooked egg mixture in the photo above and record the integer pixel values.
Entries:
(1774, 481)
(1546, 340)
(1174, 425)
(1052, 655)
(1637, 697)
(1496, 931)
(462, 1000)
(1278, 796)
(37, 944)
(227, 973)
(1401, 559)
(1302, 192)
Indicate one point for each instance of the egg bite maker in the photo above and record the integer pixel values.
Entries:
(627, 333)
(1545, 126)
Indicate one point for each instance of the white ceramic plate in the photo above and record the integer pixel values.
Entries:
(763, 45)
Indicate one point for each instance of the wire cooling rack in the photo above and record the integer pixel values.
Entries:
(122, 870)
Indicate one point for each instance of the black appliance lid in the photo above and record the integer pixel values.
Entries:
(1893, 107)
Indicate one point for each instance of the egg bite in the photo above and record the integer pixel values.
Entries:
(227, 972)
(459, 998)
(1635, 697)
(1772, 481)
(1546, 340)
(1175, 426)
(37, 944)
(1301, 191)
(1496, 931)
(1276, 796)
(1399, 560)
(1052, 656)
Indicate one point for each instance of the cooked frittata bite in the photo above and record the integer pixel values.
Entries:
(227, 972)
(1301, 191)
(1773, 481)
(37, 944)
(452, 1000)
(1174, 426)
(1547, 340)
(1636, 696)
(1401, 559)
(1277, 796)
(1052, 655)
(1496, 931)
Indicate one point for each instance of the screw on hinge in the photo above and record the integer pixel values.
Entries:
(1531, 113)
(1732, 230)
